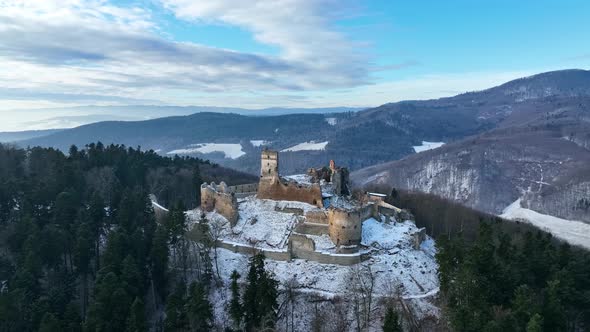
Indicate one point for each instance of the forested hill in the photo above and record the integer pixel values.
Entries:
(499, 275)
(79, 246)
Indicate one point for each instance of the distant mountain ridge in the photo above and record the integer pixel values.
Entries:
(70, 117)
(498, 140)
(13, 136)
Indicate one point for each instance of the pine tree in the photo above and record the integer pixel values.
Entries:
(267, 295)
(235, 306)
(251, 314)
(391, 321)
(49, 323)
(535, 324)
(260, 298)
(159, 260)
(176, 318)
(199, 309)
(137, 321)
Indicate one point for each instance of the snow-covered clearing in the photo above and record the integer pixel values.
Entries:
(258, 142)
(387, 236)
(231, 150)
(307, 146)
(331, 121)
(572, 231)
(427, 146)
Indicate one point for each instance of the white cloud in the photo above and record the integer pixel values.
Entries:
(92, 50)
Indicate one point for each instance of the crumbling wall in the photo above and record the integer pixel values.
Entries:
(299, 244)
(316, 217)
(217, 197)
(275, 189)
(244, 190)
(340, 181)
(345, 226)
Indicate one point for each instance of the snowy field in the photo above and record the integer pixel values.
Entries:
(258, 142)
(331, 121)
(230, 150)
(427, 146)
(307, 146)
(572, 231)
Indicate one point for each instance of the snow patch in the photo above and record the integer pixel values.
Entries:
(572, 231)
(427, 146)
(231, 150)
(387, 236)
(307, 146)
(331, 121)
(258, 142)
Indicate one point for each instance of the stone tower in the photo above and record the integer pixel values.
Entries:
(269, 167)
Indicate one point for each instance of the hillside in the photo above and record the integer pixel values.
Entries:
(539, 152)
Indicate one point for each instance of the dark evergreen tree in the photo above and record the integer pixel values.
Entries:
(159, 260)
(198, 307)
(260, 297)
(50, 323)
(137, 321)
(391, 321)
(236, 310)
(176, 316)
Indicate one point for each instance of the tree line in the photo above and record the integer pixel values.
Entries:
(499, 275)
(79, 245)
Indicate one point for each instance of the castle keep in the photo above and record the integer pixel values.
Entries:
(328, 228)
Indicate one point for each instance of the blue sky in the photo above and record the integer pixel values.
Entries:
(265, 53)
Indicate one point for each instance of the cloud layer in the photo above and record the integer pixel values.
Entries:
(97, 52)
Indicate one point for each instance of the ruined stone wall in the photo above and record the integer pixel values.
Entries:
(345, 226)
(340, 181)
(275, 189)
(300, 243)
(269, 166)
(244, 188)
(316, 217)
(217, 197)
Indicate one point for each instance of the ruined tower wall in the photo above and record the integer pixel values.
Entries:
(269, 164)
(276, 189)
(345, 226)
(218, 198)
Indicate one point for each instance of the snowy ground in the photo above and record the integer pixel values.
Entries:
(230, 150)
(259, 224)
(331, 121)
(307, 146)
(572, 231)
(427, 146)
(413, 272)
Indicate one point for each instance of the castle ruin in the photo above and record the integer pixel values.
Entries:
(336, 215)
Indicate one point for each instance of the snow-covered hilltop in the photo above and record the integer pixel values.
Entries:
(318, 237)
